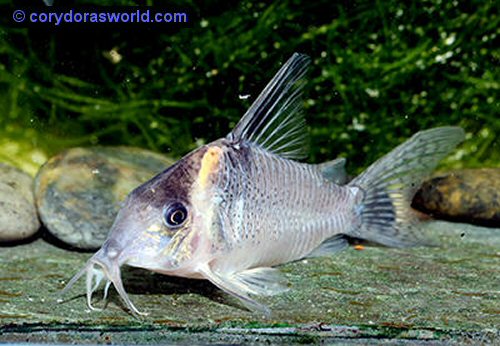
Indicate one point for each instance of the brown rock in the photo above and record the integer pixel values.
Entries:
(469, 195)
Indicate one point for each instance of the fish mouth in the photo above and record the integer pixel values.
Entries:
(105, 264)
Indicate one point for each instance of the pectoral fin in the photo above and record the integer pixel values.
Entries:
(257, 281)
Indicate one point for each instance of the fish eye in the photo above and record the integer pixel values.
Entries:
(175, 215)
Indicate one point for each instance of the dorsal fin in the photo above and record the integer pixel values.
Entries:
(275, 120)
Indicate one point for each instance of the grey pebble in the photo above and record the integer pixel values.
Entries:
(18, 216)
(79, 191)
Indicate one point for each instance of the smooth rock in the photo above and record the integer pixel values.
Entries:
(79, 191)
(18, 217)
(469, 195)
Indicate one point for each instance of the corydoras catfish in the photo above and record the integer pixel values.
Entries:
(232, 210)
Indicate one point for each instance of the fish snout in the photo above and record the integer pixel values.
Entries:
(109, 252)
(108, 261)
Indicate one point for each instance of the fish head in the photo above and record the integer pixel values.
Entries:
(159, 226)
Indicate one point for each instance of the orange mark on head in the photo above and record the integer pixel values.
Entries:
(359, 247)
(209, 164)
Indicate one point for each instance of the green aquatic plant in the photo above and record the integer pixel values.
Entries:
(381, 71)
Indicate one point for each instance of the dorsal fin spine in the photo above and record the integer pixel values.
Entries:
(275, 121)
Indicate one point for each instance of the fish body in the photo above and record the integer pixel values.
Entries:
(232, 210)
(275, 209)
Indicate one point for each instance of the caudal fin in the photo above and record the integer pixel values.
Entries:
(388, 186)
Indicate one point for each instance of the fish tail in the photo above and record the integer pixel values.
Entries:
(388, 186)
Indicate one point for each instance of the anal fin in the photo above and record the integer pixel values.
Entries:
(330, 246)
